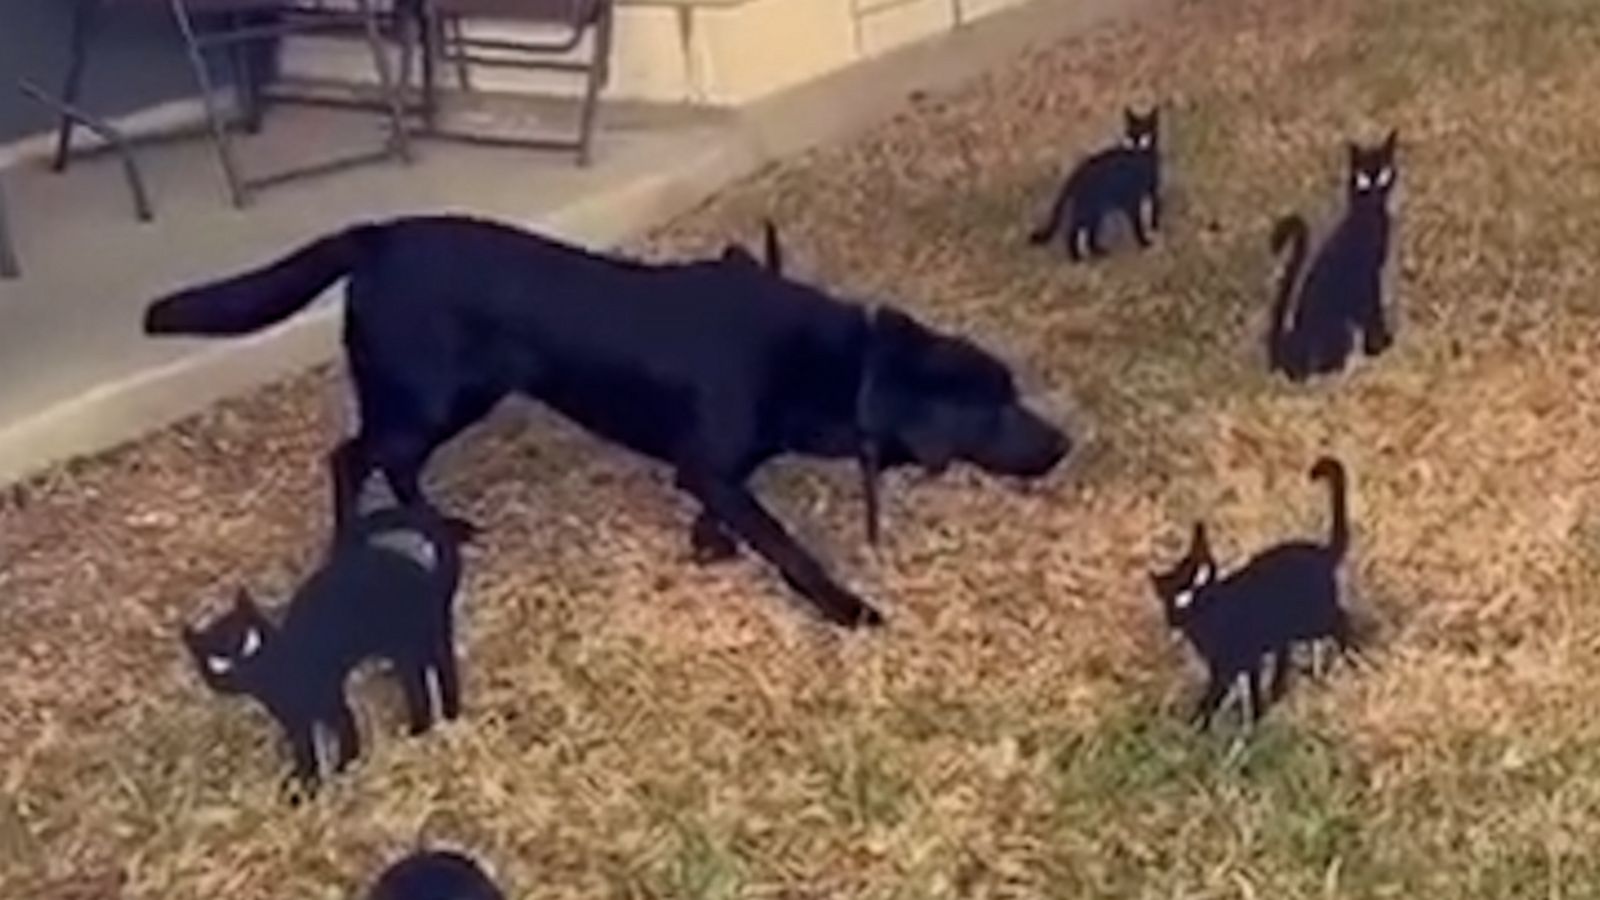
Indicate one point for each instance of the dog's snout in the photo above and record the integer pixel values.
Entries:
(1053, 448)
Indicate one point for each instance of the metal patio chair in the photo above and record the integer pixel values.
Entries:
(236, 26)
(443, 39)
(10, 267)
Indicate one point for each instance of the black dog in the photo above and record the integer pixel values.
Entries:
(713, 366)
(435, 875)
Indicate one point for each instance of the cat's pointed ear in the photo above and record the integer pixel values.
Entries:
(1391, 142)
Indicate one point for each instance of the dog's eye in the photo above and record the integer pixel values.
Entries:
(219, 665)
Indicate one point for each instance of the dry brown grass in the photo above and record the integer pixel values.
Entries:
(640, 728)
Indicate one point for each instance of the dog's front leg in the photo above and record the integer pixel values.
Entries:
(734, 506)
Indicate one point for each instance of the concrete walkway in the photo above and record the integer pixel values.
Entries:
(77, 375)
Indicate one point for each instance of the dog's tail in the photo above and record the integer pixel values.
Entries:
(1292, 233)
(1332, 471)
(444, 534)
(265, 296)
(1052, 224)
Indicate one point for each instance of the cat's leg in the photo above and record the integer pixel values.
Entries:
(1136, 218)
(1154, 203)
(1282, 662)
(414, 685)
(345, 731)
(1216, 691)
(1091, 232)
(444, 670)
(303, 750)
(1375, 337)
(1074, 241)
(1251, 709)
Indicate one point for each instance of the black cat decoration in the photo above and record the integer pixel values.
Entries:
(386, 591)
(1283, 596)
(1314, 321)
(1125, 178)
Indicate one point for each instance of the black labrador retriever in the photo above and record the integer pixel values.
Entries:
(713, 366)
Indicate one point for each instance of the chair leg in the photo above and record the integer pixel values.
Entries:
(85, 15)
(106, 132)
(599, 74)
(246, 88)
(9, 267)
(219, 129)
(456, 24)
(400, 138)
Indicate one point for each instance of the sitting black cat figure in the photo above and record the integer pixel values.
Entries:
(1125, 178)
(1312, 328)
(1282, 596)
(374, 597)
(435, 875)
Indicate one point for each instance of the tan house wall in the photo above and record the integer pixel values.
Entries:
(723, 52)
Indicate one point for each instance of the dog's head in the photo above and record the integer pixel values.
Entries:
(931, 399)
(228, 650)
(1180, 586)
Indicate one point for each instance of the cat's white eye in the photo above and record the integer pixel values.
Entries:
(252, 643)
(1385, 176)
(1363, 181)
(219, 665)
(1202, 576)
(1183, 599)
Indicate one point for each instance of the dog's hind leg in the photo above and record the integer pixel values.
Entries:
(349, 465)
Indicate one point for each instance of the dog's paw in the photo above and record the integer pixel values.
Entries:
(709, 544)
(869, 618)
(852, 612)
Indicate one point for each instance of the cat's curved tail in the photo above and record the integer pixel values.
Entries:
(1292, 233)
(1332, 471)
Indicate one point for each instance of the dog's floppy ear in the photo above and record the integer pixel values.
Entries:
(774, 250)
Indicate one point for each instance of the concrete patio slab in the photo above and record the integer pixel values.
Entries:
(78, 376)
